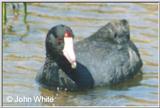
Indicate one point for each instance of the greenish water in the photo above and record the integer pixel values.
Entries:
(24, 51)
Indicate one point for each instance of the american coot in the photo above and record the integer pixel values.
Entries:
(107, 57)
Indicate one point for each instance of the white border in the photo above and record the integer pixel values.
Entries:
(155, 1)
(1, 58)
(80, 1)
(158, 52)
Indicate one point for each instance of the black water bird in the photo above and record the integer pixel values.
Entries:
(107, 57)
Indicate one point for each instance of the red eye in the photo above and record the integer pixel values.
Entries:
(67, 34)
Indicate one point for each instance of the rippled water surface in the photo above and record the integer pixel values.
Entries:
(24, 51)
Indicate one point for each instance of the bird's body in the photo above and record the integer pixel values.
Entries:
(115, 64)
(107, 57)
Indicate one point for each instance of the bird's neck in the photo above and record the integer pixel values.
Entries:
(60, 59)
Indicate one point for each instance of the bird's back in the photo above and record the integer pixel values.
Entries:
(109, 54)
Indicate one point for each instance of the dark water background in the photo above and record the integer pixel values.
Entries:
(24, 51)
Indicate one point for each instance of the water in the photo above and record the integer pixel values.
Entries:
(24, 51)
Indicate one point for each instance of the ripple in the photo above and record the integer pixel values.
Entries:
(64, 18)
(151, 63)
(14, 57)
(18, 85)
(141, 40)
(137, 100)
